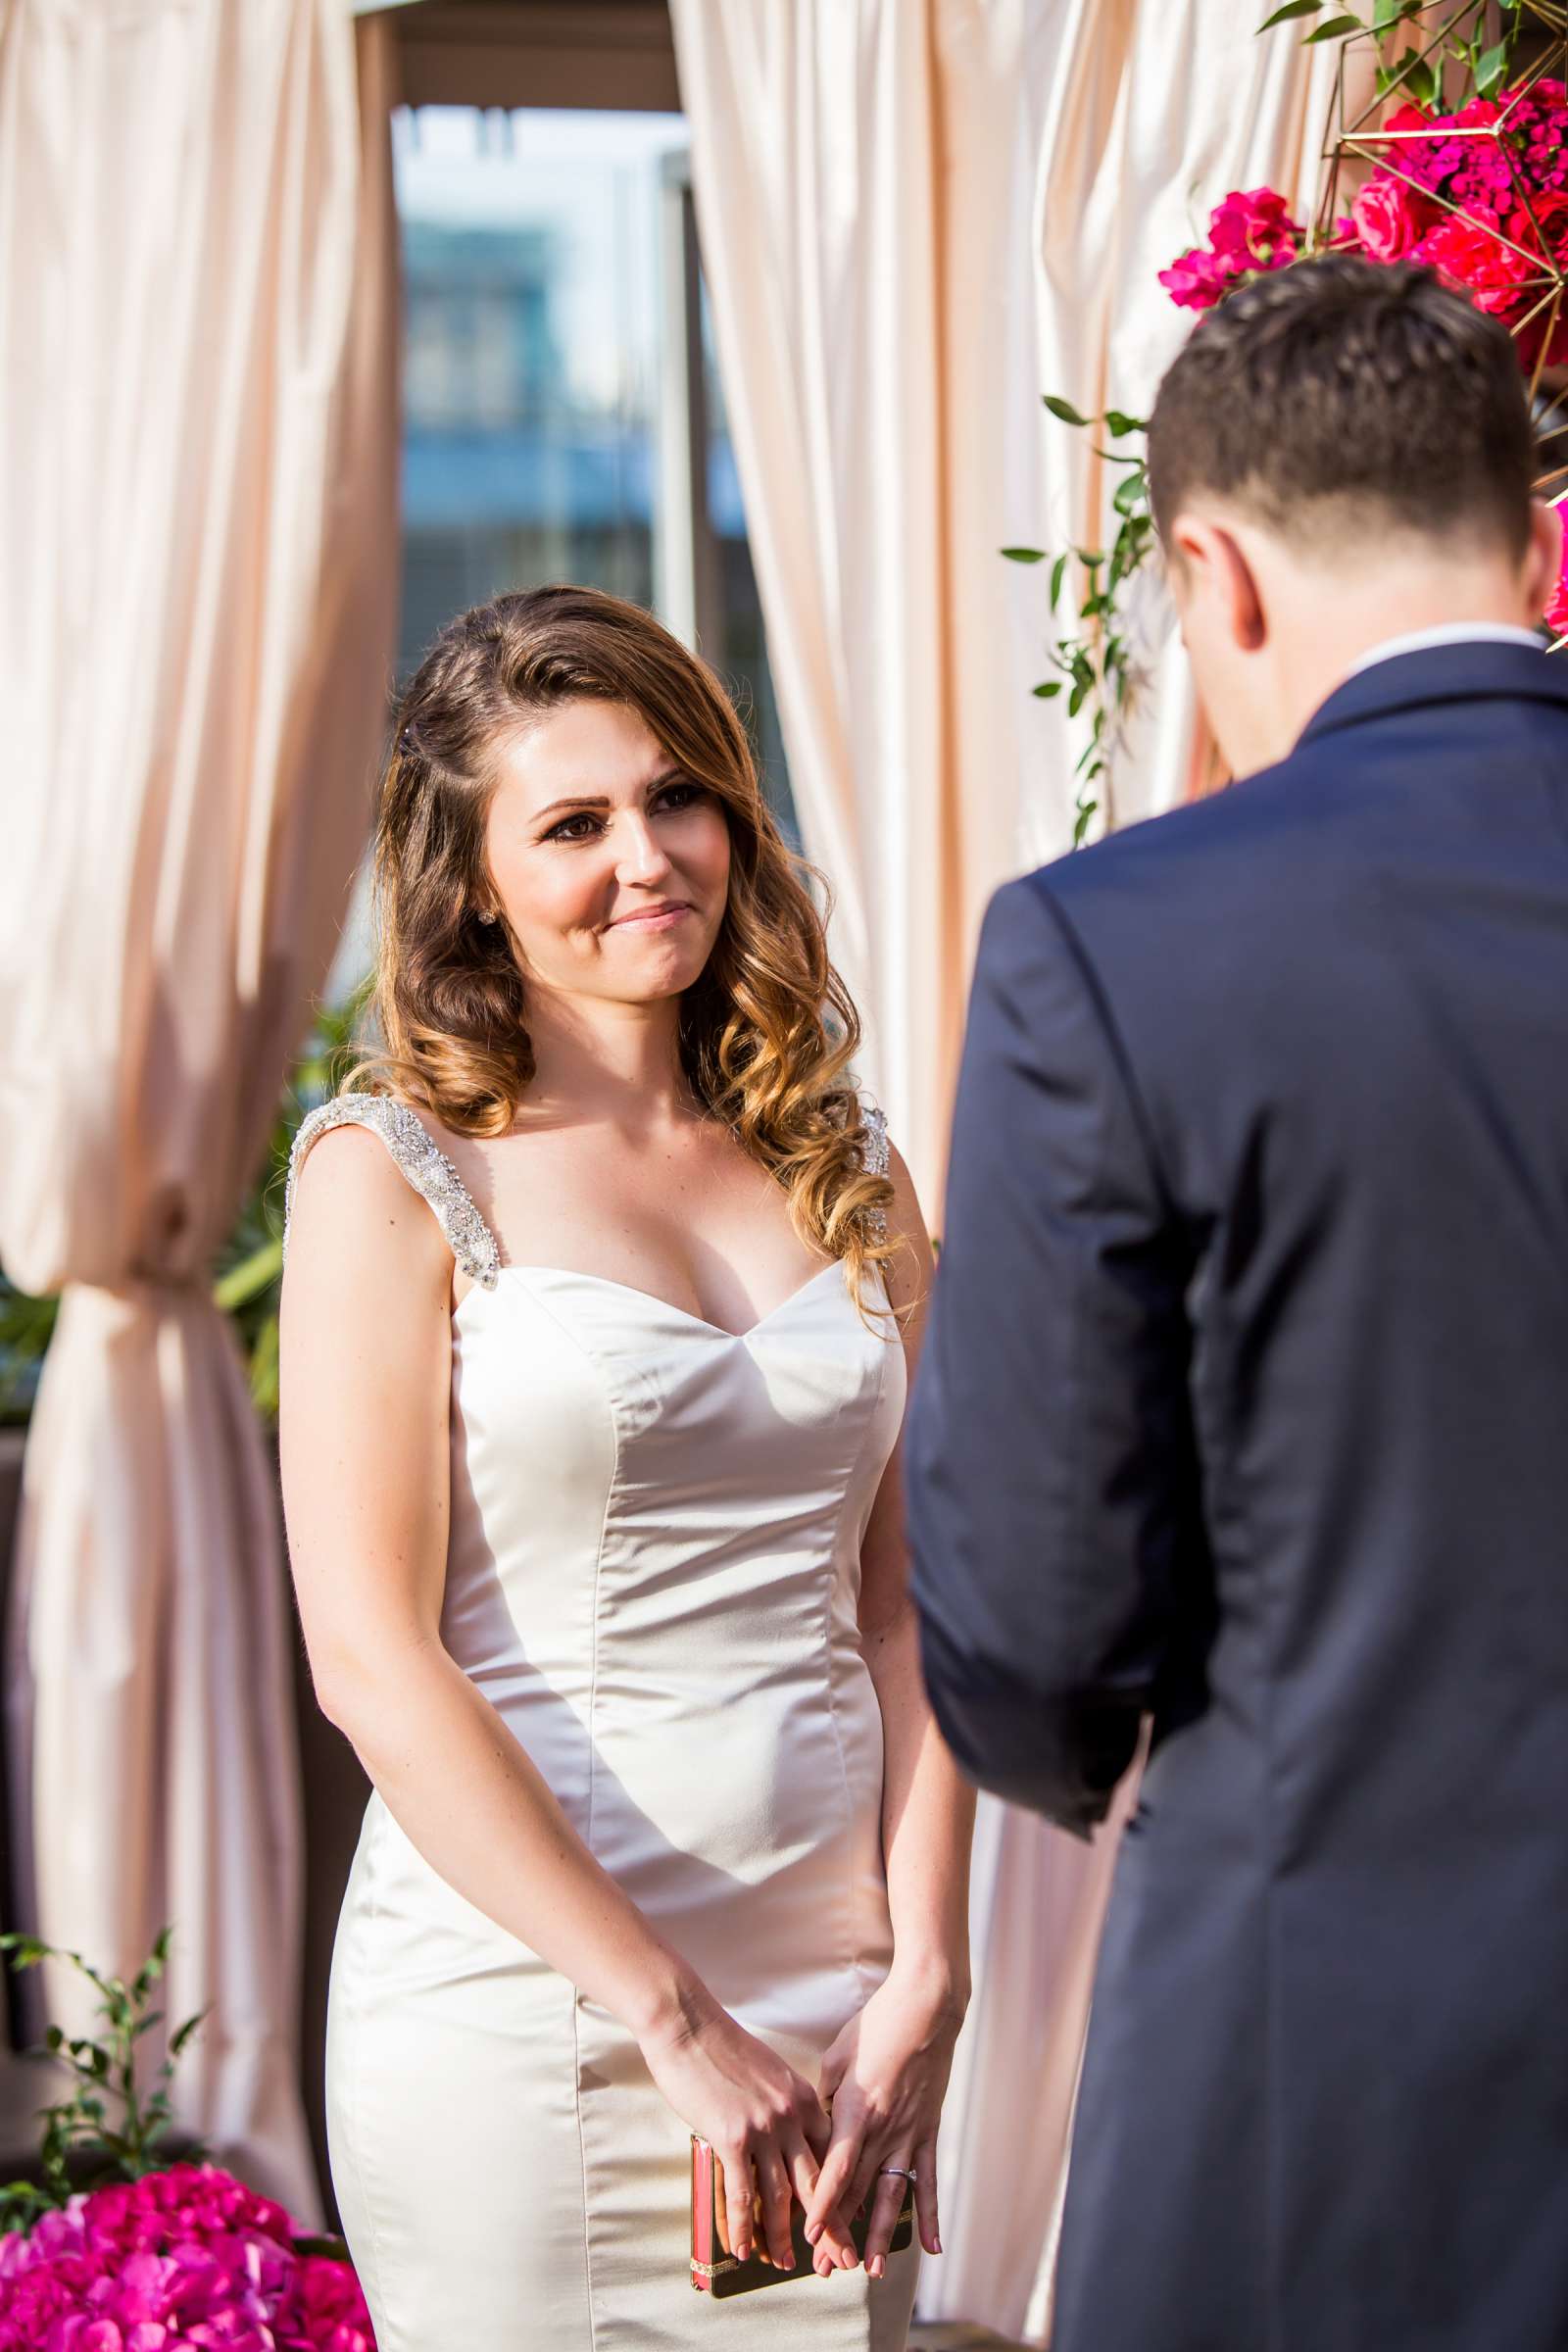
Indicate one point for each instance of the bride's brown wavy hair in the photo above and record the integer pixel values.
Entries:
(766, 1032)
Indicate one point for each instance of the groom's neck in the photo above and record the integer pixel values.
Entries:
(1321, 626)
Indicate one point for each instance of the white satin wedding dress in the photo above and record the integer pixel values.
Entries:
(653, 1576)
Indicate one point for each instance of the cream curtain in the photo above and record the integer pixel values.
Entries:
(916, 217)
(852, 172)
(1136, 118)
(1141, 116)
(198, 544)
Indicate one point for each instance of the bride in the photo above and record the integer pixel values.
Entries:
(592, 1488)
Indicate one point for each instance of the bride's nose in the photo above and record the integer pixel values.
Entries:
(638, 854)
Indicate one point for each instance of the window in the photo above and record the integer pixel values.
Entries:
(562, 413)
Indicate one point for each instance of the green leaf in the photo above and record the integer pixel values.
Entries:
(1086, 816)
(1424, 80)
(1292, 8)
(1024, 555)
(1491, 67)
(1335, 29)
(1075, 701)
(1118, 422)
(1058, 572)
(1063, 409)
(1045, 692)
(1129, 495)
(1389, 13)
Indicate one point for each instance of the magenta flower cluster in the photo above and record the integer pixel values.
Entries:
(1247, 234)
(184, 2260)
(1501, 162)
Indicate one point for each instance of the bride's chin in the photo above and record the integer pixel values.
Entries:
(658, 977)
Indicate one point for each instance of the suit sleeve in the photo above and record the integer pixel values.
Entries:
(1049, 1455)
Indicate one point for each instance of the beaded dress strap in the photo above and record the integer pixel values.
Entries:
(875, 1154)
(421, 1160)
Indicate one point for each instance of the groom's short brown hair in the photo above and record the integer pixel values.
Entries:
(1339, 396)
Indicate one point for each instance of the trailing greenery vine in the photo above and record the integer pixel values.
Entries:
(84, 2145)
(1095, 659)
(1096, 666)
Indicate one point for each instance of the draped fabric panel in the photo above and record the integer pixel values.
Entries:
(1142, 116)
(198, 557)
(915, 219)
(852, 168)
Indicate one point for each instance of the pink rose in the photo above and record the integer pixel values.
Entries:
(1248, 232)
(1256, 231)
(1541, 225)
(1493, 275)
(1197, 280)
(1390, 218)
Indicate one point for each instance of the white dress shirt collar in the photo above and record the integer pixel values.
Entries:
(1452, 632)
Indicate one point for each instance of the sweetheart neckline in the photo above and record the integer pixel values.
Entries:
(608, 1282)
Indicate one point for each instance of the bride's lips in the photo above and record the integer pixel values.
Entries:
(652, 918)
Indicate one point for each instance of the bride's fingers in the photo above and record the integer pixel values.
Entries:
(773, 2182)
(924, 2161)
(887, 2203)
(737, 2226)
(838, 2170)
(876, 2150)
(836, 2241)
(720, 2206)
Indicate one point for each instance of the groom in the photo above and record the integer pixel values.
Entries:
(1245, 1400)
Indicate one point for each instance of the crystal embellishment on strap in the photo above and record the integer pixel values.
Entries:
(421, 1160)
(875, 1155)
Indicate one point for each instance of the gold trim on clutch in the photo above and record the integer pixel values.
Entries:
(715, 2269)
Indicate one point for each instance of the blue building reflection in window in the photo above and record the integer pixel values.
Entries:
(532, 366)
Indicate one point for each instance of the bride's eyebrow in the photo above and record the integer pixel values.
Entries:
(600, 799)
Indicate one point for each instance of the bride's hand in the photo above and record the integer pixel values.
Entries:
(763, 2120)
(885, 2079)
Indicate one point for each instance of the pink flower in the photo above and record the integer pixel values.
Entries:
(1556, 615)
(1390, 218)
(1254, 229)
(1197, 280)
(1247, 234)
(1471, 258)
(187, 2260)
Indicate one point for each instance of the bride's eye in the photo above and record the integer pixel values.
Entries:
(681, 795)
(581, 827)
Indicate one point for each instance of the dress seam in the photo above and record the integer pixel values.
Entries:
(582, 2159)
(592, 1358)
(611, 1484)
(356, 2047)
(856, 1963)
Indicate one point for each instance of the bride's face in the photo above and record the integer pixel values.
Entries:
(611, 865)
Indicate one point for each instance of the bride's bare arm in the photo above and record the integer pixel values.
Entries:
(365, 1383)
(927, 1806)
(889, 2071)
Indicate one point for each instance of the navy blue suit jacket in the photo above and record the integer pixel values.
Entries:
(1244, 1404)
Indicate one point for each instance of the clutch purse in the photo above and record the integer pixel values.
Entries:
(715, 2273)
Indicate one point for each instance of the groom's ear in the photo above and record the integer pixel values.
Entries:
(1543, 564)
(1210, 575)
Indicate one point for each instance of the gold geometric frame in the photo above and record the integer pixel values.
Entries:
(1355, 138)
